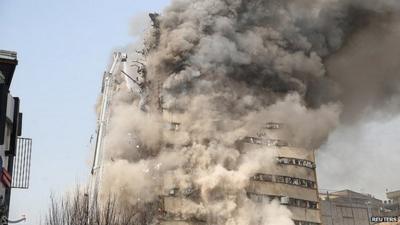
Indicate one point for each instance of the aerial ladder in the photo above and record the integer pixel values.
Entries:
(135, 82)
(108, 88)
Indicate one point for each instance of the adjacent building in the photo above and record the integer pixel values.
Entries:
(15, 152)
(348, 207)
(392, 205)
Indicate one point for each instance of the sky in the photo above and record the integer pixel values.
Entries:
(64, 47)
(364, 157)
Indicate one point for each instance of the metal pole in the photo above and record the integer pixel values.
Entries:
(330, 206)
(369, 212)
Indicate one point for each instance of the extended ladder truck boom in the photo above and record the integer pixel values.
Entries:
(104, 115)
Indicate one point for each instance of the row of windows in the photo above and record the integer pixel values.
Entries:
(296, 222)
(185, 192)
(303, 203)
(266, 142)
(285, 180)
(269, 126)
(284, 201)
(296, 162)
(173, 126)
(273, 125)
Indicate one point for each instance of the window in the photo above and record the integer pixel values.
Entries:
(7, 137)
(280, 179)
(296, 222)
(173, 126)
(266, 177)
(266, 142)
(272, 125)
(312, 205)
(284, 179)
(173, 192)
(284, 200)
(263, 177)
(296, 162)
(2, 78)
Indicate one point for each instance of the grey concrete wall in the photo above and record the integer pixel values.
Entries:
(333, 213)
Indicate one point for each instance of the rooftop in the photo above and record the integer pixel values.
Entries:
(350, 195)
(8, 62)
(8, 55)
(393, 194)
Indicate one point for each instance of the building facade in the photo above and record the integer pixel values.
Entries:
(347, 207)
(392, 205)
(15, 152)
(9, 124)
(291, 180)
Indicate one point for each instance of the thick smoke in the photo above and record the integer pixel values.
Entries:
(222, 69)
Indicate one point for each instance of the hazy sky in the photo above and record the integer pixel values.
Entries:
(64, 47)
(364, 158)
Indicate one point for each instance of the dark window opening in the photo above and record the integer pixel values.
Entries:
(296, 162)
(285, 180)
(284, 200)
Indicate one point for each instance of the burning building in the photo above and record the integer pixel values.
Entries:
(288, 178)
(215, 117)
(291, 181)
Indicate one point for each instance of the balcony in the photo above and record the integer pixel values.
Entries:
(22, 164)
